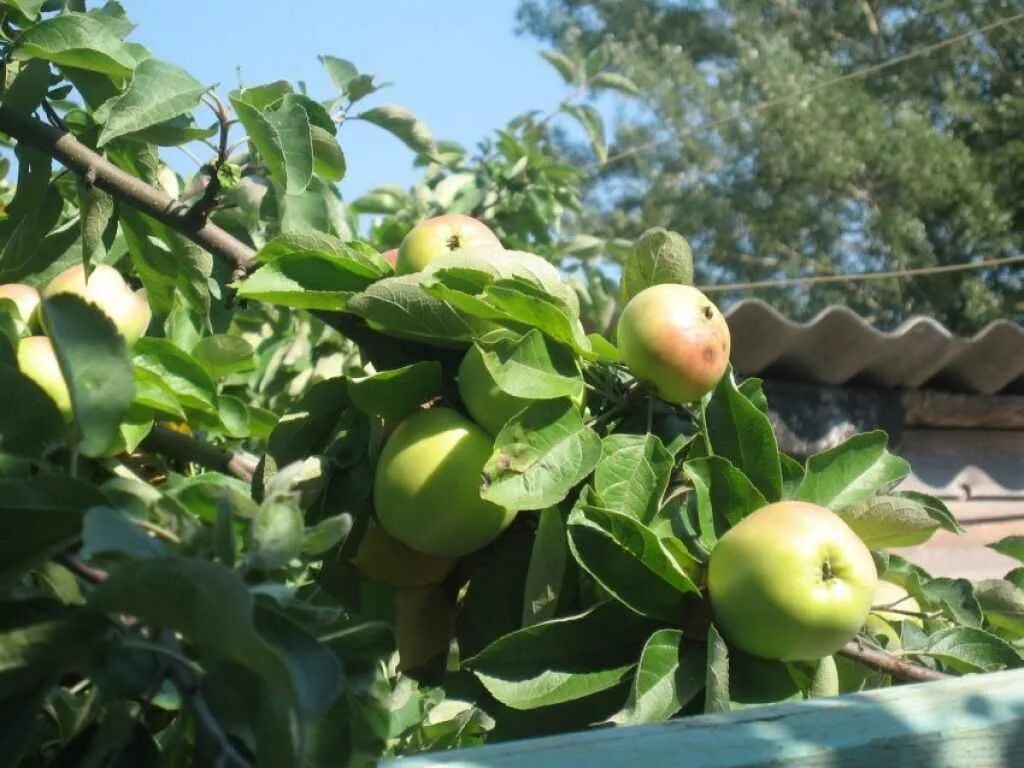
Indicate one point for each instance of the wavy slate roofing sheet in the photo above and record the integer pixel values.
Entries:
(839, 347)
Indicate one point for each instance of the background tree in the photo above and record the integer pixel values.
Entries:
(914, 166)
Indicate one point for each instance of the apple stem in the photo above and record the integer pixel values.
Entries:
(883, 661)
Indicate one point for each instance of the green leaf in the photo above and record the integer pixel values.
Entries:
(397, 393)
(277, 533)
(282, 137)
(40, 517)
(341, 71)
(152, 392)
(30, 424)
(591, 121)
(851, 472)
(539, 456)
(401, 124)
(1003, 605)
(615, 82)
(723, 495)
(883, 522)
(77, 40)
(187, 379)
(740, 432)
(716, 678)
(1011, 546)
(29, 88)
(94, 362)
(562, 659)
(547, 568)
(106, 530)
(328, 159)
(629, 561)
(326, 535)
(156, 93)
(95, 208)
(563, 64)
(522, 301)
(530, 366)
(222, 354)
(30, 8)
(670, 675)
(658, 256)
(967, 649)
(633, 474)
(956, 599)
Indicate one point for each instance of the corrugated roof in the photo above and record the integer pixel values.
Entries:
(840, 347)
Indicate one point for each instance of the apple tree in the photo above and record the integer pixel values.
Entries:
(316, 512)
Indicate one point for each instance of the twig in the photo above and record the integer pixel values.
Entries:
(189, 449)
(158, 531)
(65, 148)
(76, 565)
(884, 661)
(201, 209)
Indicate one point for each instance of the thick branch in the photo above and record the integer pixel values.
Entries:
(186, 448)
(883, 661)
(97, 170)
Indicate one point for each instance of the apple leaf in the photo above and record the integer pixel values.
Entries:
(30, 424)
(723, 496)
(151, 392)
(1011, 546)
(156, 93)
(282, 136)
(340, 71)
(539, 456)
(328, 159)
(531, 366)
(716, 676)
(401, 124)
(397, 393)
(94, 361)
(968, 649)
(633, 473)
(883, 522)
(593, 124)
(658, 256)
(186, 378)
(277, 532)
(956, 599)
(40, 517)
(547, 568)
(740, 432)
(670, 674)
(563, 64)
(526, 303)
(222, 354)
(1002, 602)
(77, 40)
(629, 561)
(851, 472)
(615, 82)
(562, 659)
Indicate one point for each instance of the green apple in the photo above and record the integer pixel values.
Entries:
(38, 361)
(105, 288)
(383, 558)
(673, 337)
(25, 299)
(893, 596)
(489, 406)
(791, 581)
(435, 237)
(427, 485)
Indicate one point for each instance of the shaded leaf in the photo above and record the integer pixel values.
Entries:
(397, 393)
(670, 674)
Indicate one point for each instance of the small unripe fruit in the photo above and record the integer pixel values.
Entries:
(674, 337)
(38, 361)
(440, 235)
(891, 599)
(106, 289)
(25, 298)
(489, 406)
(427, 485)
(383, 558)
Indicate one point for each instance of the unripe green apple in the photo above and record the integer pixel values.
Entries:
(674, 337)
(38, 361)
(383, 558)
(25, 298)
(791, 581)
(427, 485)
(489, 406)
(893, 596)
(440, 235)
(106, 289)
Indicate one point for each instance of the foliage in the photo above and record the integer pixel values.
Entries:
(176, 568)
(914, 165)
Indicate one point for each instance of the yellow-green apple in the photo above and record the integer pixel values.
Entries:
(673, 337)
(791, 581)
(434, 237)
(25, 299)
(427, 485)
(38, 361)
(383, 558)
(105, 288)
(893, 603)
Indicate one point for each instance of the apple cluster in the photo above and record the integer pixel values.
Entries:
(105, 288)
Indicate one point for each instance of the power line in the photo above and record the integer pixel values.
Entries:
(862, 276)
(864, 72)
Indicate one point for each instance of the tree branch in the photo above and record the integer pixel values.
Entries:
(69, 151)
(186, 448)
(884, 661)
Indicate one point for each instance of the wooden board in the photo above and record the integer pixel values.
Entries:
(975, 721)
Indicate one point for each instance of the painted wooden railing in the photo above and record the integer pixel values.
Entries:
(976, 721)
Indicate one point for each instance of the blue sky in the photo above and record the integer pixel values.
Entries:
(456, 64)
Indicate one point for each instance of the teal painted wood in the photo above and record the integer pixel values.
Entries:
(975, 721)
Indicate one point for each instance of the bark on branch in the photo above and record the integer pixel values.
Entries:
(884, 661)
(186, 448)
